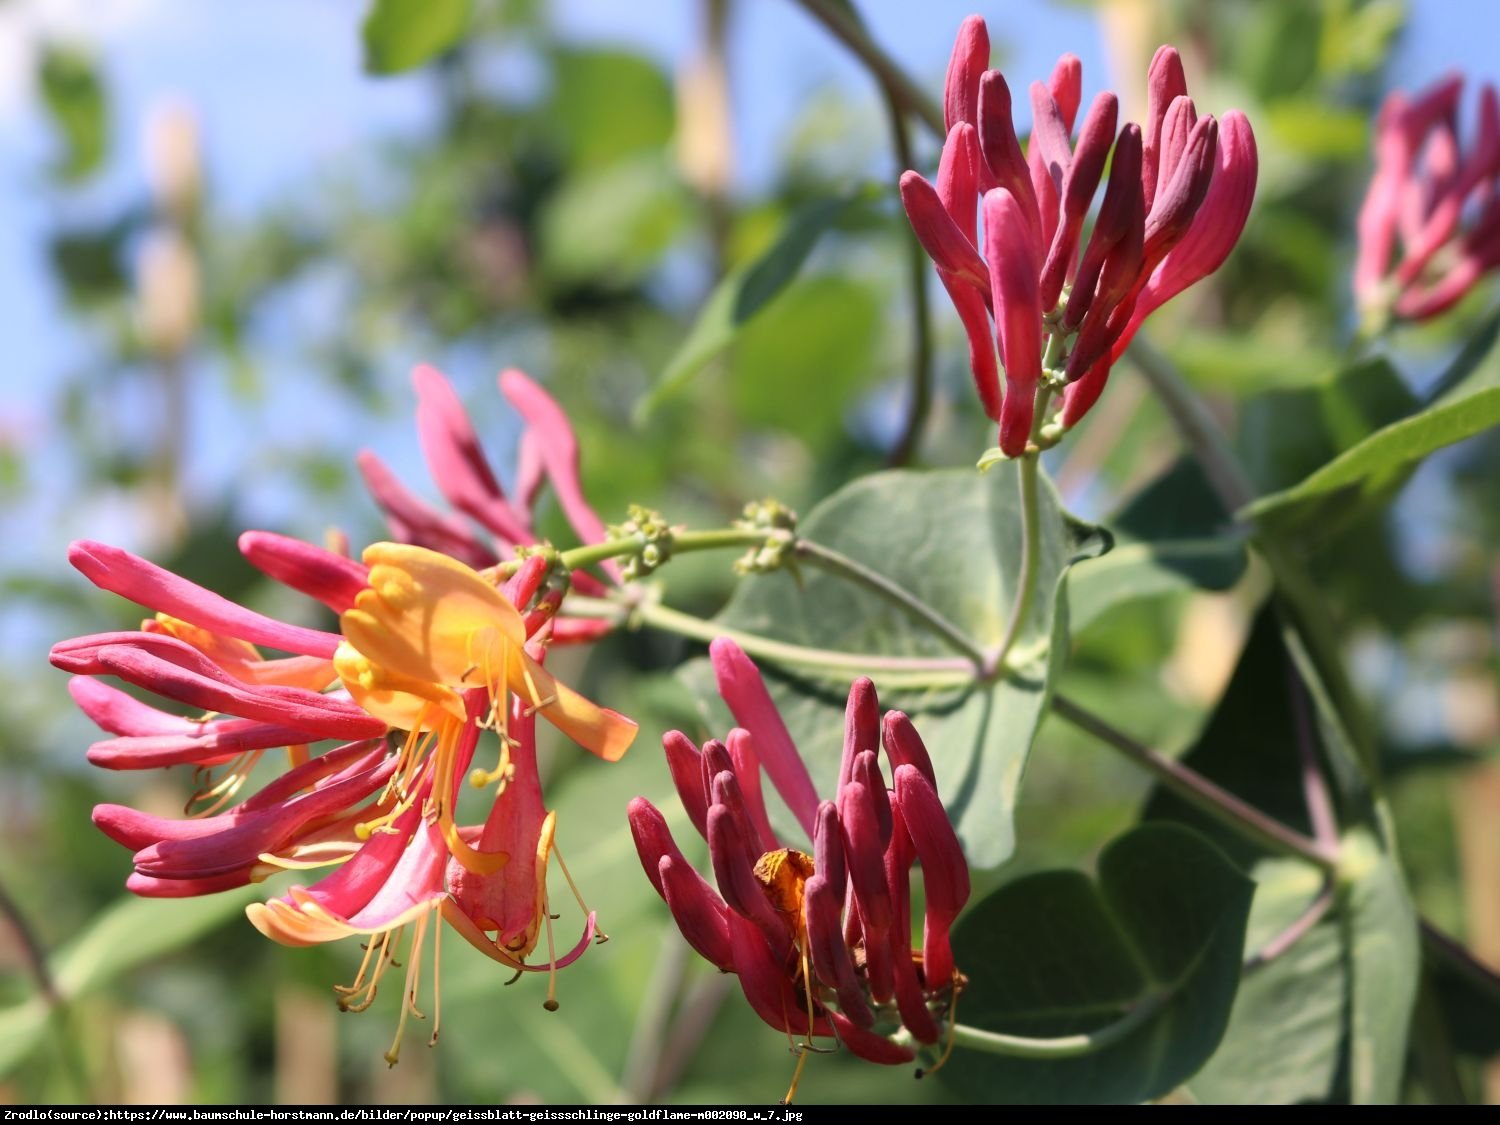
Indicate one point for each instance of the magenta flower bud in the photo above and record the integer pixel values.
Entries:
(742, 688)
(1018, 315)
(828, 848)
(867, 1044)
(1002, 152)
(725, 791)
(861, 724)
(952, 252)
(734, 872)
(413, 520)
(973, 311)
(714, 760)
(747, 773)
(1049, 137)
(1176, 129)
(700, 914)
(1048, 192)
(864, 852)
(825, 939)
(147, 584)
(1079, 184)
(1165, 82)
(945, 873)
(1215, 229)
(1178, 201)
(765, 983)
(1113, 299)
(1066, 88)
(456, 461)
(685, 764)
(332, 579)
(904, 746)
(866, 771)
(1122, 211)
(958, 182)
(653, 839)
(971, 55)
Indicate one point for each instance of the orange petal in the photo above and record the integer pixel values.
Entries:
(597, 729)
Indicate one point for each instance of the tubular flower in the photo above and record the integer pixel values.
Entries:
(821, 942)
(430, 657)
(450, 445)
(1060, 307)
(1430, 225)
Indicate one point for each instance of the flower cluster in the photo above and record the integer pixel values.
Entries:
(431, 656)
(822, 943)
(1429, 228)
(1064, 307)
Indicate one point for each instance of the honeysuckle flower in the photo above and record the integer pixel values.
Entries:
(821, 943)
(1429, 228)
(548, 454)
(1063, 307)
(430, 657)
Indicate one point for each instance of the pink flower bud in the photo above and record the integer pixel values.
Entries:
(866, 771)
(945, 873)
(1002, 152)
(1018, 314)
(1066, 88)
(332, 579)
(1079, 184)
(747, 772)
(828, 848)
(864, 852)
(1122, 213)
(971, 55)
(861, 724)
(745, 692)
(734, 872)
(958, 180)
(1049, 138)
(830, 956)
(684, 764)
(945, 243)
(700, 914)
(904, 746)
(1165, 81)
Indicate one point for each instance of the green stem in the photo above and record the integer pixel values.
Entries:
(579, 558)
(900, 671)
(1031, 542)
(837, 563)
(845, 26)
(1064, 1046)
(1199, 791)
(917, 270)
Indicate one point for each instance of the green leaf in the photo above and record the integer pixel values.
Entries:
(74, 96)
(951, 539)
(1285, 1037)
(1056, 954)
(609, 104)
(1468, 404)
(123, 937)
(744, 292)
(1384, 954)
(1359, 1008)
(800, 363)
(403, 34)
(1171, 536)
(611, 223)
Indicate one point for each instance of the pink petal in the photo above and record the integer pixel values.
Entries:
(457, 462)
(413, 520)
(149, 585)
(332, 579)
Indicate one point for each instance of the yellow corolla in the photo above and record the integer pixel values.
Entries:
(426, 633)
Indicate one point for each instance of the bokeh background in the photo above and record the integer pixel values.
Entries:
(224, 245)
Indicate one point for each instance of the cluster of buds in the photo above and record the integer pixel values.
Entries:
(430, 657)
(1064, 307)
(821, 943)
(1429, 228)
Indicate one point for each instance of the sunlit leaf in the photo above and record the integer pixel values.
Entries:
(74, 96)
(402, 34)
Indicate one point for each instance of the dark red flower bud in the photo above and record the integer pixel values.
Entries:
(945, 873)
(1079, 184)
(1018, 315)
(830, 956)
(686, 766)
(1165, 81)
(700, 914)
(904, 746)
(747, 772)
(861, 724)
(1002, 152)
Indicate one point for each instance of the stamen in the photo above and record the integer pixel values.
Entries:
(551, 1002)
(952, 1030)
(437, 979)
